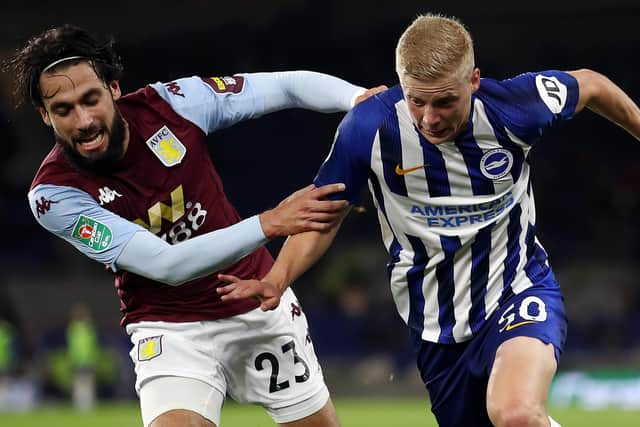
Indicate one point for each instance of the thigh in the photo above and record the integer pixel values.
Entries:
(269, 359)
(521, 375)
(181, 349)
(176, 372)
(177, 401)
(528, 334)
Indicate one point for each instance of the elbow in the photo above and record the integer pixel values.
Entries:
(168, 273)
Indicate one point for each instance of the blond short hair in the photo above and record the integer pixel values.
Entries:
(433, 47)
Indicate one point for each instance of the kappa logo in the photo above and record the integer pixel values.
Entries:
(174, 88)
(149, 348)
(296, 310)
(400, 171)
(43, 206)
(496, 163)
(107, 195)
(167, 147)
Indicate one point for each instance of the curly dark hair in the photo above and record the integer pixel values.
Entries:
(56, 43)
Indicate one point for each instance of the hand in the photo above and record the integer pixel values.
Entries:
(304, 210)
(268, 294)
(370, 92)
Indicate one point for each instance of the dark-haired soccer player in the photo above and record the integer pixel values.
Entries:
(130, 177)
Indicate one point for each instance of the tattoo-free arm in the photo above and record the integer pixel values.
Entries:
(605, 98)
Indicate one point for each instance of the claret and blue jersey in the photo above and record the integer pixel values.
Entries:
(458, 218)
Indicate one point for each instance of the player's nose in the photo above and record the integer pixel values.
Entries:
(84, 119)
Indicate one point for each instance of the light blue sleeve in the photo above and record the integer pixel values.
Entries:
(150, 256)
(76, 217)
(112, 240)
(218, 102)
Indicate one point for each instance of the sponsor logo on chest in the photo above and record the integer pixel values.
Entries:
(167, 147)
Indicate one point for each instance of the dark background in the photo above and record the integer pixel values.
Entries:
(586, 172)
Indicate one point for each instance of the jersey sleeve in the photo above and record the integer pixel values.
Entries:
(213, 103)
(73, 215)
(534, 102)
(350, 156)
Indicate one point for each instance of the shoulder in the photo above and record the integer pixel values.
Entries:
(551, 87)
(55, 169)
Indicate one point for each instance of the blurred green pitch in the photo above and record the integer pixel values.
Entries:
(352, 412)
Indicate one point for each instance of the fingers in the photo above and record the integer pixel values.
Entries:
(299, 193)
(371, 92)
(328, 206)
(328, 189)
(228, 278)
(270, 304)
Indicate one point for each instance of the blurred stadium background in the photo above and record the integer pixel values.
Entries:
(586, 176)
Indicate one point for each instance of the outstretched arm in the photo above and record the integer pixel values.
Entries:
(309, 90)
(605, 98)
(299, 253)
(121, 244)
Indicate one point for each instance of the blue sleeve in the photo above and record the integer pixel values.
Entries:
(349, 160)
(533, 102)
(76, 217)
(213, 103)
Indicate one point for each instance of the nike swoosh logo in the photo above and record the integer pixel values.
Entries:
(401, 171)
(515, 325)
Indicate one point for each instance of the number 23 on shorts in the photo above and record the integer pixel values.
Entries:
(275, 384)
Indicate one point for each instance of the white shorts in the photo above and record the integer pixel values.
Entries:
(258, 357)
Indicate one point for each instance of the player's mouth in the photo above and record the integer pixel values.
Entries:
(93, 142)
(435, 133)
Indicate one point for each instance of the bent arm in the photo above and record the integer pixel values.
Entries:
(299, 253)
(110, 239)
(605, 98)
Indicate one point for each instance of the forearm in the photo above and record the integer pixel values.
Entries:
(305, 89)
(149, 256)
(605, 98)
(299, 253)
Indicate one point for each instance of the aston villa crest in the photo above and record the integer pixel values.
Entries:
(167, 147)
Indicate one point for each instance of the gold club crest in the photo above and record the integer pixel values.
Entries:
(167, 147)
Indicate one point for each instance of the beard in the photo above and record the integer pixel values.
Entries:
(106, 162)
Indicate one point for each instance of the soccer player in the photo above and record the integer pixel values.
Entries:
(445, 154)
(130, 177)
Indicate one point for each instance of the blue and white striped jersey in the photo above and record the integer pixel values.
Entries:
(458, 218)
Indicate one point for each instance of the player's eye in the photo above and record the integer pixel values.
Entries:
(61, 111)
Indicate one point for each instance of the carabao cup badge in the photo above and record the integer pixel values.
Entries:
(167, 147)
(92, 233)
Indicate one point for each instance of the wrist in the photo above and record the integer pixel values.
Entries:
(267, 224)
(277, 279)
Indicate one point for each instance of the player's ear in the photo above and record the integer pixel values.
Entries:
(475, 79)
(44, 115)
(116, 92)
